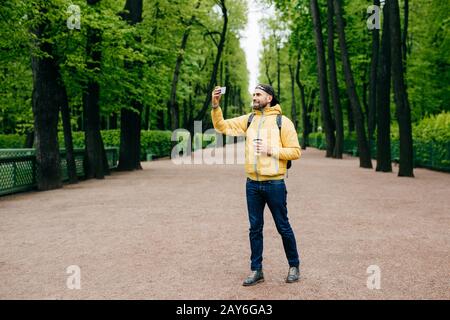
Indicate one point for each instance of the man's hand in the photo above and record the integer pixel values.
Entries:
(262, 148)
(216, 97)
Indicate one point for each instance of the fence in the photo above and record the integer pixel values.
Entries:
(431, 155)
(18, 167)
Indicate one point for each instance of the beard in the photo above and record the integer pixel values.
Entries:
(260, 105)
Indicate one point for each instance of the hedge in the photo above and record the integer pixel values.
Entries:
(11, 141)
(155, 142)
(431, 142)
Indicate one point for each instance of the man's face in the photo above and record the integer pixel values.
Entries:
(261, 99)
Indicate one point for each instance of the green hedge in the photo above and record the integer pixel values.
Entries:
(11, 141)
(431, 143)
(155, 142)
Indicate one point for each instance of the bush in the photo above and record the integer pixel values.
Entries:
(431, 140)
(155, 142)
(317, 140)
(158, 143)
(11, 141)
(434, 128)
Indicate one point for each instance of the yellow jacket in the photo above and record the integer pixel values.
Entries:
(264, 126)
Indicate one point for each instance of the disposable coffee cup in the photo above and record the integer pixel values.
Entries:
(255, 142)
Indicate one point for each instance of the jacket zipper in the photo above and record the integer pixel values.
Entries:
(257, 136)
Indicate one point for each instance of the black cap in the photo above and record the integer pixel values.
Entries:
(267, 88)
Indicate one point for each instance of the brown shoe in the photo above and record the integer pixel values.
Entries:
(293, 275)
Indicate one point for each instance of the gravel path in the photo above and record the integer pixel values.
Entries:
(181, 232)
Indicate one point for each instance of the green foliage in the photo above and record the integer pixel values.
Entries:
(158, 143)
(434, 128)
(11, 141)
(137, 62)
(428, 44)
(428, 69)
(155, 142)
(431, 140)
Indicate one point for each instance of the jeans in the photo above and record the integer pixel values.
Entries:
(272, 192)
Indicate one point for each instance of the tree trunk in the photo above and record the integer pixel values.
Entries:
(310, 105)
(160, 123)
(363, 147)
(293, 104)
(405, 33)
(229, 87)
(305, 115)
(95, 152)
(278, 71)
(29, 139)
(129, 155)
(373, 79)
(350, 118)
(339, 146)
(323, 83)
(267, 68)
(400, 93)
(383, 99)
(45, 111)
(185, 113)
(213, 77)
(173, 104)
(147, 118)
(130, 122)
(113, 121)
(364, 87)
(67, 128)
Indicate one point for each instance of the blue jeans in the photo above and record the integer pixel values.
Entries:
(272, 192)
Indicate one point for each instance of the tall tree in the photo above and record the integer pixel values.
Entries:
(400, 93)
(201, 114)
(293, 104)
(130, 122)
(305, 115)
(173, 104)
(278, 49)
(95, 160)
(383, 99)
(45, 104)
(363, 147)
(373, 78)
(266, 60)
(322, 77)
(67, 129)
(405, 32)
(339, 147)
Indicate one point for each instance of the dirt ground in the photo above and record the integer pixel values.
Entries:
(181, 232)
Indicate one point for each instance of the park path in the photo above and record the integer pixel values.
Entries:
(181, 232)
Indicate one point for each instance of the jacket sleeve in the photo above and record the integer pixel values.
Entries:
(290, 149)
(230, 127)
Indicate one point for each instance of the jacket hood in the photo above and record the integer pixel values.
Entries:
(276, 109)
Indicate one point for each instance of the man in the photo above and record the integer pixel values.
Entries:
(267, 151)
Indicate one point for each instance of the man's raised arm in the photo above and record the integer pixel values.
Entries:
(230, 127)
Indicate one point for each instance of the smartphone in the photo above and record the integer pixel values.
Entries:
(223, 90)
